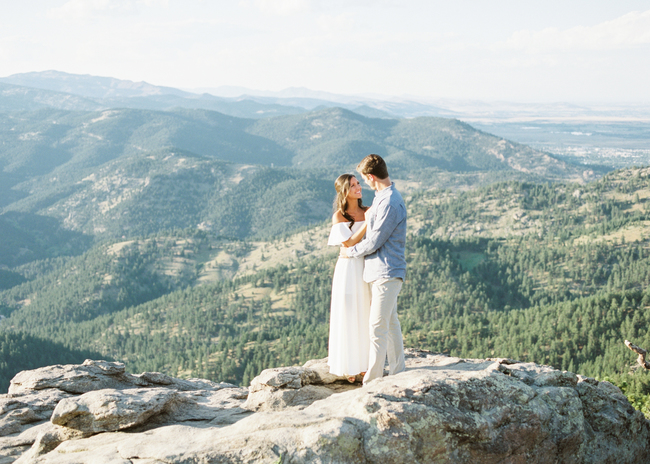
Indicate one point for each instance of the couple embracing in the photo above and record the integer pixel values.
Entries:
(369, 274)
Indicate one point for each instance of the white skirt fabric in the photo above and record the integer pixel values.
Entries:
(349, 338)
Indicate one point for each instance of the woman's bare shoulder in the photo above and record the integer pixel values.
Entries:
(338, 217)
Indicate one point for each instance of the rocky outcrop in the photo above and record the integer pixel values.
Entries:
(51, 405)
(441, 409)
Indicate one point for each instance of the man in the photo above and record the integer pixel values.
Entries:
(385, 266)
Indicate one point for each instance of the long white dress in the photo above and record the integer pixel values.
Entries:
(349, 341)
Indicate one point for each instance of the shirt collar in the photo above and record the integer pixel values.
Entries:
(386, 191)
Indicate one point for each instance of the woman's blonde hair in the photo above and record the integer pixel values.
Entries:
(342, 186)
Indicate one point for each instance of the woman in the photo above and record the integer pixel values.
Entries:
(349, 341)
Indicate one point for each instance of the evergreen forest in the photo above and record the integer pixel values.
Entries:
(552, 273)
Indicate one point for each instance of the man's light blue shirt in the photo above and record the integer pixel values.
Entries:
(385, 242)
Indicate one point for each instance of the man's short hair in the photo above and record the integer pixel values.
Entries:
(375, 165)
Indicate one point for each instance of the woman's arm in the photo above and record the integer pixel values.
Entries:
(356, 237)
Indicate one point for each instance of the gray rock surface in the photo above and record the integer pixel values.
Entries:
(96, 375)
(48, 406)
(441, 409)
(19, 411)
(109, 410)
(294, 387)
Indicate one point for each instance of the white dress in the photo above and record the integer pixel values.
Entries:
(349, 341)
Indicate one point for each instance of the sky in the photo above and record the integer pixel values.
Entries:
(491, 50)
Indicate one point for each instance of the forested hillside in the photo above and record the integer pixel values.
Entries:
(551, 273)
(414, 148)
(171, 189)
(133, 172)
(64, 141)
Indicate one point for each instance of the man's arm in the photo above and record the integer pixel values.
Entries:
(385, 222)
(356, 237)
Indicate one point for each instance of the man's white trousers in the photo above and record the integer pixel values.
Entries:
(385, 331)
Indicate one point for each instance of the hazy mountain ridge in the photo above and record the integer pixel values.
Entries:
(242, 102)
(410, 106)
(336, 136)
(89, 86)
(596, 135)
(113, 172)
(341, 146)
(234, 101)
(72, 92)
(20, 98)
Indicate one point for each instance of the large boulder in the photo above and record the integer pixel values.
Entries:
(51, 405)
(294, 387)
(110, 410)
(18, 411)
(94, 375)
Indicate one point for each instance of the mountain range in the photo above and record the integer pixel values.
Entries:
(93, 92)
(140, 223)
(115, 172)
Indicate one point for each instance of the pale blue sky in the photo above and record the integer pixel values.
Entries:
(516, 50)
